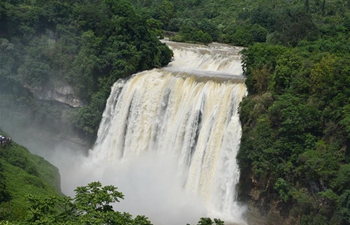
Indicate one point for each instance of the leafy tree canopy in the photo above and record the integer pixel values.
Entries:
(295, 140)
(92, 204)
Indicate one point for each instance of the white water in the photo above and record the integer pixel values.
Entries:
(169, 138)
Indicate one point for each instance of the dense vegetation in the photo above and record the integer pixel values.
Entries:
(86, 44)
(92, 204)
(296, 123)
(245, 22)
(22, 173)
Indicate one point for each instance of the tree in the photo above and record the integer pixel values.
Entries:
(4, 195)
(283, 188)
(256, 59)
(264, 16)
(323, 7)
(307, 6)
(343, 177)
(345, 207)
(189, 33)
(91, 205)
(209, 221)
(295, 25)
(287, 67)
(166, 11)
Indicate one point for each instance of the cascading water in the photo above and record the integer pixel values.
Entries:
(186, 112)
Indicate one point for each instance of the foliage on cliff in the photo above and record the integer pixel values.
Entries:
(86, 44)
(22, 173)
(296, 127)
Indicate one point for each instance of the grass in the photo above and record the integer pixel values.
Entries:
(25, 174)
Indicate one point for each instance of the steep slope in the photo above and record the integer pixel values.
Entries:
(22, 174)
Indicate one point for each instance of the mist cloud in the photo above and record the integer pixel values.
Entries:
(151, 185)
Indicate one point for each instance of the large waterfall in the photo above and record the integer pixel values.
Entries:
(184, 116)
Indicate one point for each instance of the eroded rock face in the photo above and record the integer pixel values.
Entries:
(62, 93)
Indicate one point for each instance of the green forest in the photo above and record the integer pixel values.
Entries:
(245, 22)
(294, 150)
(295, 142)
(87, 44)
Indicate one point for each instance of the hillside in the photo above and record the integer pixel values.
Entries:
(23, 174)
(59, 59)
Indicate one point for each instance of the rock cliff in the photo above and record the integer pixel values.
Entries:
(62, 93)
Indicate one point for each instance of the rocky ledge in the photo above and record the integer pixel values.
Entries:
(62, 93)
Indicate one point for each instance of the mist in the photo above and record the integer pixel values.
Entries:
(151, 185)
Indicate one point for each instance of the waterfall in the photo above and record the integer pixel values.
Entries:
(187, 112)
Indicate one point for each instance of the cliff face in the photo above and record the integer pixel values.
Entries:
(42, 117)
(264, 209)
(62, 93)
